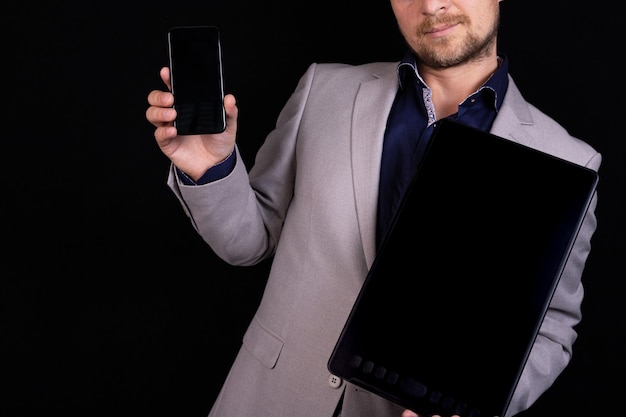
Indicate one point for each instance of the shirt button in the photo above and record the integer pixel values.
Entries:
(334, 381)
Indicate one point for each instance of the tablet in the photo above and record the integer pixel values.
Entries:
(451, 306)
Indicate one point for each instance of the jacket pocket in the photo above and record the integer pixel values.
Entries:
(263, 345)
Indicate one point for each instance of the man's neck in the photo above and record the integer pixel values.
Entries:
(451, 86)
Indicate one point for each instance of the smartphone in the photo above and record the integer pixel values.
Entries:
(195, 61)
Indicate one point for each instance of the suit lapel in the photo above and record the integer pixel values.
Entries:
(513, 116)
(371, 110)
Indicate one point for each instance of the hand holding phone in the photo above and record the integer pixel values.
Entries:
(195, 61)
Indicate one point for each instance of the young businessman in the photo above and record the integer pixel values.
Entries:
(324, 186)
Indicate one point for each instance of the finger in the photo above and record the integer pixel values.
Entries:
(164, 134)
(232, 112)
(160, 98)
(165, 76)
(160, 116)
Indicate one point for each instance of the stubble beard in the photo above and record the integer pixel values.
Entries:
(445, 52)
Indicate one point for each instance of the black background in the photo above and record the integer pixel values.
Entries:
(111, 304)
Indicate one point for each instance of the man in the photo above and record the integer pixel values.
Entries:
(323, 188)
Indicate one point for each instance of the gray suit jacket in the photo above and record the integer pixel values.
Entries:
(310, 201)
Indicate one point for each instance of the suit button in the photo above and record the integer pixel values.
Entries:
(334, 381)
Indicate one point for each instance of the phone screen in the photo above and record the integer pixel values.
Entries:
(197, 83)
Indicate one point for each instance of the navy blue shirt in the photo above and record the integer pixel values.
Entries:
(214, 173)
(411, 123)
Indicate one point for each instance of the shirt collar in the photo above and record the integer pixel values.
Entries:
(497, 83)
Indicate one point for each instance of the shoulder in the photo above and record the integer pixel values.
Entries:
(525, 123)
(349, 72)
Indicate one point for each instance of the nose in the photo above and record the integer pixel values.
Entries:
(433, 7)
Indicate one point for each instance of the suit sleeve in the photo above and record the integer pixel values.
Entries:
(553, 348)
(241, 215)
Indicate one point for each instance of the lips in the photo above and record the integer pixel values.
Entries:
(442, 24)
(441, 30)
